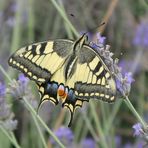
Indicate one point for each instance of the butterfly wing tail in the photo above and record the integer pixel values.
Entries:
(72, 107)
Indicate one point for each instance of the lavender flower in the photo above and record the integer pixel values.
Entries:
(128, 145)
(14, 7)
(4, 108)
(140, 144)
(19, 89)
(88, 143)
(65, 135)
(10, 20)
(23, 80)
(128, 65)
(123, 82)
(118, 141)
(2, 90)
(141, 132)
(138, 129)
(6, 115)
(141, 36)
(100, 39)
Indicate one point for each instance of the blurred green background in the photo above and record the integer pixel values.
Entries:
(23, 22)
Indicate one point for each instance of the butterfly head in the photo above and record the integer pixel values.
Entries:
(82, 40)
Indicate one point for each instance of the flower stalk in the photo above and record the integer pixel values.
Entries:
(133, 110)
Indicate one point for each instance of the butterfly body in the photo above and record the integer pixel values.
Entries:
(66, 71)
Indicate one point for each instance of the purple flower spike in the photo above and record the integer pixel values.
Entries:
(2, 90)
(141, 36)
(141, 132)
(129, 78)
(65, 135)
(118, 141)
(100, 39)
(128, 145)
(137, 129)
(24, 80)
(88, 143)
(20, 88)
(6, 114)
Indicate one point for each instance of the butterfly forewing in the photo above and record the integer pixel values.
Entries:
(40, 61)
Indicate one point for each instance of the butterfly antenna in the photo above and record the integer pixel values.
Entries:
(91, 30)
(95, 28)
(72, 15)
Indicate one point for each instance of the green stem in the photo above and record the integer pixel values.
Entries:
(16, 37)
(61, 12)
(103, 112)
(112, 117)
(77, 129)
(39, 130)
(11, 138)
(29, 107)
(131, 107)
(5, 73)
(69, 31)
(89, 126)
(142, 87)
(98, 125)
(31, 20)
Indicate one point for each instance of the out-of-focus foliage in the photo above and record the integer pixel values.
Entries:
(126, 30)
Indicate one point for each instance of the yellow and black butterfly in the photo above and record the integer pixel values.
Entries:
(68, 71)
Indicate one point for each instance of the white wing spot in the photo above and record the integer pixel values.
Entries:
(81, 94)
(112, 98)
(101, 95)
(10, 60)
(14, 62)
(107, 96)
(29, 47)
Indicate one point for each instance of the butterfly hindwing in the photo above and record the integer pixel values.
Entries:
(54, 92)
(40, 61)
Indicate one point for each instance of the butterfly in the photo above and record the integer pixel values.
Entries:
(66, 71)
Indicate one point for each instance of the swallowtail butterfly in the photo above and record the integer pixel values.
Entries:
(66, 71)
